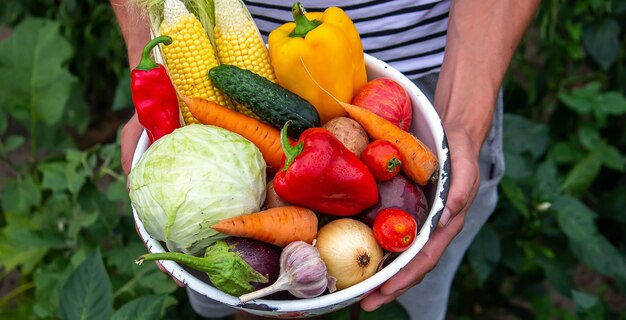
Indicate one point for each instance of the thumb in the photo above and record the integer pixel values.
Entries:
(130, 136)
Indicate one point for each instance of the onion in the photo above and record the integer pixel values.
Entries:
(349, 250)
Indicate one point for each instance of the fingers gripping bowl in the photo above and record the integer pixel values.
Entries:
(427, 127)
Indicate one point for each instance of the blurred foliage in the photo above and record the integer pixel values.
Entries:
(555, 248)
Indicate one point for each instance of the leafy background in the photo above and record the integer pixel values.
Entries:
(555, 248)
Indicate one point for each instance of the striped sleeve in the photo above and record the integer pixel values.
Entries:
(409, 35)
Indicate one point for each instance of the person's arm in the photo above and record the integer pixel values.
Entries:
(482, 37)
(136, 33)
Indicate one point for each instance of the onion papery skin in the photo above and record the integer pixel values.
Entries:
(341, 243)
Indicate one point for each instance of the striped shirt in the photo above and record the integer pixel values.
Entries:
(409, 35)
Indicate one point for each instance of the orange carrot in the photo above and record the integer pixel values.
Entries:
(278, 226)
(264, 136)
(418, 161)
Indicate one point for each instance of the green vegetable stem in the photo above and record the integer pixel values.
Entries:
(227, 270)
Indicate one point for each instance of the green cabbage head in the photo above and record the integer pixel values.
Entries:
(192, 178)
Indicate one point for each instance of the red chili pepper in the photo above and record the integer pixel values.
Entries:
(154, 95)
(320, 173)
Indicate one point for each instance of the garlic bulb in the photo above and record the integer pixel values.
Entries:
(302, 273)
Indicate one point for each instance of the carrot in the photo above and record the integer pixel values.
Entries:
(278, 226)
(419, 163)
(264, 136)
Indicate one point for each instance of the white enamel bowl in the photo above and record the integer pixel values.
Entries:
(427, 127)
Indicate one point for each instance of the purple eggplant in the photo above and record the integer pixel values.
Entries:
(235, 265)
(401, 193)
(261, 256)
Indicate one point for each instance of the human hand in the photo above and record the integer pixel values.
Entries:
(130, 137)
(464, 183)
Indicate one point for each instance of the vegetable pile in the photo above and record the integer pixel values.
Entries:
(281, 168)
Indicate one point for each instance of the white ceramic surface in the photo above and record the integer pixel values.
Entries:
(427, 127)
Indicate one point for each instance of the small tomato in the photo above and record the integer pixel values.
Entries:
(382, 158)
(394, 229)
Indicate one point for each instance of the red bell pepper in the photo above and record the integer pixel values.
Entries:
(320, 173)
(154, 95)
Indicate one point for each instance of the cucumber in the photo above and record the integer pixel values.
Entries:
(271, 102)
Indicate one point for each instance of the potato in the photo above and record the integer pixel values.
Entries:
(349, 132)
(273, 200)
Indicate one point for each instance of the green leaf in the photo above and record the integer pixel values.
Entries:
(515, 195)
(517, 167)
(13, 142)
(583, 300)
(28, 259)
(547, 182)
(20, 195)
(565, 152)
(599, 254)
(612, 157)
(589, 137)
(123, 258)
(155, 280)
(54, 177)
(117, 191)
(123, 96)
(574, 218)
(147, 308)
(524, 136)
(22, 244)
(58, 205)
(612, 103)
(582, 175)
(590, 100)
(602, 42)
(592, 248)
(60, 176)
(76, 113)
(34, 80)
(484, 252)
(80, 220)
(581, 100)
(49, 279)
(3, 121)
(87, 293)
(93, 201)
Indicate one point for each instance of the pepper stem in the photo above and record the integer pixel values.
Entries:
(290, 151)
(303, 24)
(146, 62)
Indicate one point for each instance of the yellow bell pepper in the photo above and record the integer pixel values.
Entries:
(326, 44)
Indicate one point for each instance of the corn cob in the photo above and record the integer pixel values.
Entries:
(190, 56)
(239, 43)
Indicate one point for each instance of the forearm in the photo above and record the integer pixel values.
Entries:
(482, 37)
(134, 27)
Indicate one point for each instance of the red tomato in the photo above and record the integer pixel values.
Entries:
(394, 229)
(382, 158)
